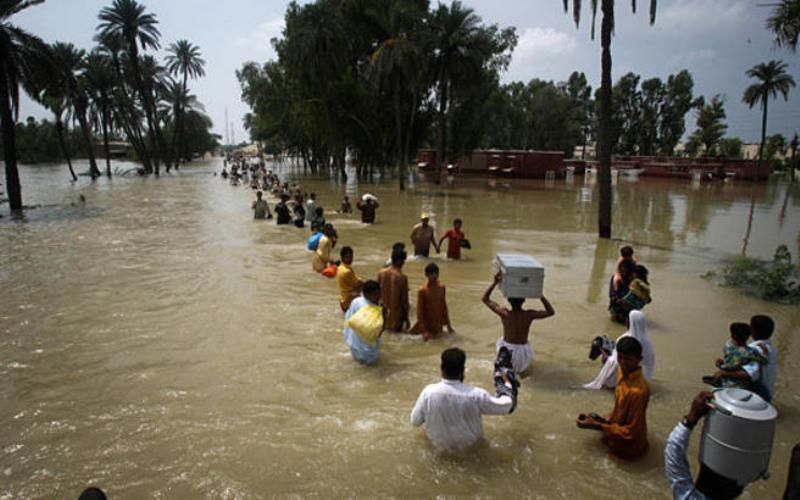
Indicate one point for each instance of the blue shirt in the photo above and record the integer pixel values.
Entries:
(362, 351)
(677, 466)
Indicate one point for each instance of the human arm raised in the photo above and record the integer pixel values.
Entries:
(548, 309)
(489, 302)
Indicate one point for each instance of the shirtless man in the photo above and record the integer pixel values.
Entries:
(516, 326)
(423, 236)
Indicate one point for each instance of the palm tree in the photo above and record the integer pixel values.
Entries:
(100, 78)
(176, 102)
(785, 23)
(56, 101)
(20, 51)
(454, 29)
(183, 58)
(69, 62)
(772, 80)
(128, 20)
(605, 126)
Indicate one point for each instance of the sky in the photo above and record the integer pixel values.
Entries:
(716, 40)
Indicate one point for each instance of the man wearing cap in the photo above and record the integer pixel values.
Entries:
(423, 236)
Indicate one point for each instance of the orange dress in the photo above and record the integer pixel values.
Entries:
(626, 433)
(394, 296)
(432, 314)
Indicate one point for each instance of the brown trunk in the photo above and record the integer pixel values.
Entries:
(13, 188)
(604, 138)
(763, 139)
(440, 129)
(398, 125)
(64, 150)
(80, 110)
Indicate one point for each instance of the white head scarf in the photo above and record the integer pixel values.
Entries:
(638, 330)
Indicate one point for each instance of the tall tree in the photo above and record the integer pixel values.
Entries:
(19, 51)
(55, 100)
(677, 102)
(785, 23)
(580, 92)
(605, 116)
(710, 127)
(183, 59)
(771, 80)
(128, 20)
(100, 79)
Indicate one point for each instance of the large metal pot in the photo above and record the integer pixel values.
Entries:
(737, 435)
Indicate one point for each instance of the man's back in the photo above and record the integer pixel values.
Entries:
(516, 325)
(451, 411)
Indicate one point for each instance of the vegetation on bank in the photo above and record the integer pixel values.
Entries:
(777, 280)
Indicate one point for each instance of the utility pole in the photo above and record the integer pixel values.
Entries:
(227, 136)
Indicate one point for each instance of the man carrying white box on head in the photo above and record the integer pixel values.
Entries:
(522, 277)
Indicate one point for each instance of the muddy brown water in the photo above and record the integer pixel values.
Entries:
(159, 342)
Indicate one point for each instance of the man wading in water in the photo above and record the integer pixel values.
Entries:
(516, 326)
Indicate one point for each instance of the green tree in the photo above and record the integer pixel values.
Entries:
(100, 79)
(772, 80)
(580, 92)
(20, 50)
(677, 102)
(775, 146)
(183, 59)
(627, 114)
(710, 127)
(127, 20)
(785, 23)
(605, 127)
(730, 147)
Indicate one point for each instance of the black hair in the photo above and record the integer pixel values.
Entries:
(516, 303)
(453, 361)
(457, 221)
(626, 251)
(740, 331)
(641, 273)
(398, 246)
(318, 211)
(626, 267)
(371, 286)
(92, 493)
(259, 194)
(345, 251)
(398, 257)
(313, 195)
(715, 486)
(762, 327)
(327, 228)
(431, 268)
(630, 347)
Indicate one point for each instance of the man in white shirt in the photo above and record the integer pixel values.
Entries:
(759, 378)
(451, 410)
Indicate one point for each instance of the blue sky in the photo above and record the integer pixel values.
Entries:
(716, 40)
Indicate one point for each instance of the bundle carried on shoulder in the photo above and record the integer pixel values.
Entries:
(367, 322)
(313, 241)
(330, 271)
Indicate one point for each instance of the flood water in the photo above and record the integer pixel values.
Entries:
(159, 342)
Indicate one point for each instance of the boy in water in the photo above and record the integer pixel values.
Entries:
(625, 429)
(346, 280)
(394, 293)
(423, 236)
(260, 208)
(346, 208)
(454, 237)
(736, 354)
(625, 255)
(516, 326)
(636, 296)
(432, 314)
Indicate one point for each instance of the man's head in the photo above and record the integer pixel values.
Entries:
(432, 271)
(313, 196)
(457, 223)
(319, 211)
(740, 332)
(327, 229)
(259, 194)
(626, 252)
(284, 197)
(346, 253)
(641, 273)
(715, 486)
(626, 269)
(516, 303)
(372, 291)
(453, 361)
(424, 218)
(398, 258)
(629, 354)
(347, 199)
(398, 247)
(762, 327)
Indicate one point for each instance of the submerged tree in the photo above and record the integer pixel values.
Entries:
(20, 51)
(183, 59)
(772, 80)
(605, 133)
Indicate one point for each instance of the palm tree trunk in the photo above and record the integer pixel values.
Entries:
(80, 110)
(604, 142)
(64, 150)
(104, 120)
(398, 125)
(763, 139)
(440, 129)
(146, 101)
(13, 188)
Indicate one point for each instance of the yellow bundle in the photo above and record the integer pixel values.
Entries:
(367, 322)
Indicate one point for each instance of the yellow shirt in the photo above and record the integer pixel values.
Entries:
(322, 255)
(626, 432)
(349, 285)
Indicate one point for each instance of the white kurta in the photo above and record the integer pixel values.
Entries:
(451, 412)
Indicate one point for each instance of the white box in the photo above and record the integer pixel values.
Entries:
(523, 276)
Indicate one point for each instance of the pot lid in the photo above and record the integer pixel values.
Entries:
(744, 404)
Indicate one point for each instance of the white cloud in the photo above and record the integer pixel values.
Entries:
(537, 44)
(695, 56)
(702, 14)
(259, 39)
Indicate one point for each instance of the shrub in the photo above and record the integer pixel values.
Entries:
(777, 280)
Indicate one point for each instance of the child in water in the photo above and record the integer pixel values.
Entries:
(735, 355)
(346, 208)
